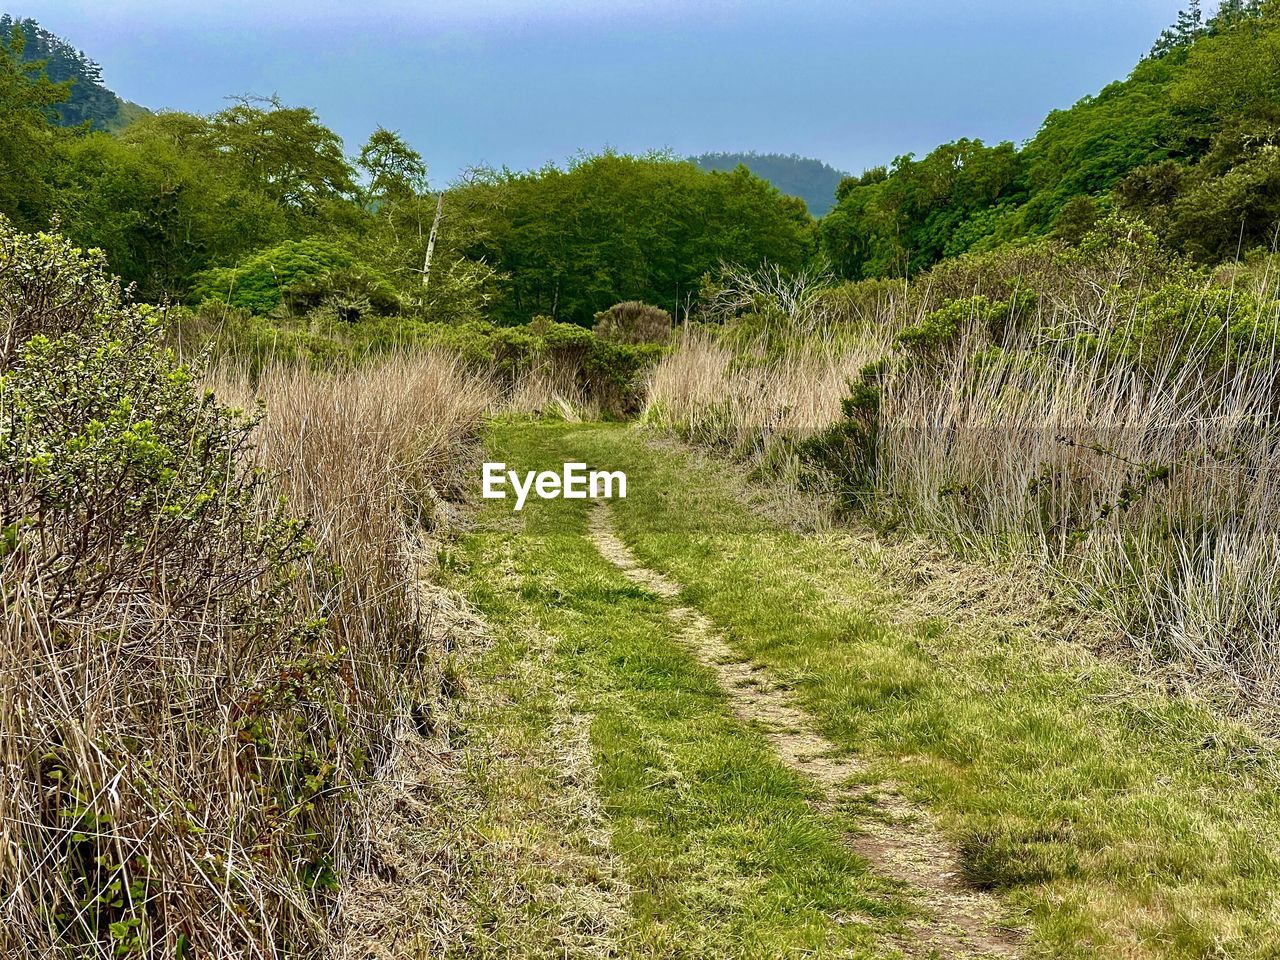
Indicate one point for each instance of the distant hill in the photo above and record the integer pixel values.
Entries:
(812, 181)
(90, 100)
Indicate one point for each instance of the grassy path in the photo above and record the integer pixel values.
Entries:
(893, 835)
(1095, 815)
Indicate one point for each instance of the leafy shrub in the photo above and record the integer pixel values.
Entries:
(941, 328)
(606, 370)
(633, 322)
(301, 275)
(1203, 325)
(46, 289)
(846, 452)
(181, 729)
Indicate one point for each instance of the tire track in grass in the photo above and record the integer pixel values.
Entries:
(481, 841)
(897, 839)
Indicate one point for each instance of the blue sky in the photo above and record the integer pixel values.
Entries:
(522, 82)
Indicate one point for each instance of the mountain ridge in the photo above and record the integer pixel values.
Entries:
(90, 101)
(813, 181)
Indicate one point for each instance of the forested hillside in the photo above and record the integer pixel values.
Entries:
(89, 101)
(811, 180)
(1187, 143)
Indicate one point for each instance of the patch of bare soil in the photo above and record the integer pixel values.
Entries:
(479, 839)
(898, 837)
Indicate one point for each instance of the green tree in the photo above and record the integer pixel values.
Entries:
(163, 202)
(28, 139)
(394, 169)
(88, 100)
(1189, 25)
(285, 152)
(891, 223)
(568, 243)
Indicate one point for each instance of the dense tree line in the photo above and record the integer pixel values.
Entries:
(260, 205)
(570, 243)
(1188, 142)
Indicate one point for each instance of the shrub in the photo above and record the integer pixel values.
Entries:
(141, 561)
(941, 329)
(46, 287)
(606, 372)
(300, 275)
(633, 322)
(193, 681)
(845, 452)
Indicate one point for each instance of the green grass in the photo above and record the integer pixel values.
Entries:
(1124, 822)
(1112, 819)
(723, 852)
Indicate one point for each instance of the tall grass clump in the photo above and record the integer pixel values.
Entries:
(1102, 410)
(197, 674)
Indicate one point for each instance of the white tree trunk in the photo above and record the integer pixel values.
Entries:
(431, 243)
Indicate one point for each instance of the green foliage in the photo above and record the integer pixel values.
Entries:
(395, 170)
(132, 520)
(158, 204)
(845, 454)
(284, 152)
(942, 328)
(1188, 142)
(1205, 325)
(904, 221)
(633, 322)
(27, 139)
(1230, 75)
(608, 370)
(571, 243)
(88, 101)
(108, 447)
(301, 275)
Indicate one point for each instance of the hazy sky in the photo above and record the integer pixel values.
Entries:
(521, 82)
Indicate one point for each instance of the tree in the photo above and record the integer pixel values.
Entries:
(284, 151)
(1231, 74)
(570, 243)
(395, 170)
(891, 223)
(1189, 25)
(27, 137)
(88, 100)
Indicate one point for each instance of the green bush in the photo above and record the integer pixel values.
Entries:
(942, 328)
(633, 322)
(301, 275)
(606, 370)
(145, 561)
(845, 454)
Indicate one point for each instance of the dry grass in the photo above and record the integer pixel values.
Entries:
(1149, 482)
(180, 780)
(551, 389)
(719, 397)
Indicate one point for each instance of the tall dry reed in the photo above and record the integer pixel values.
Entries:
(1149, 479)
(177, 777)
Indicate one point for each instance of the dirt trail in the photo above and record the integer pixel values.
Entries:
(899, 840)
